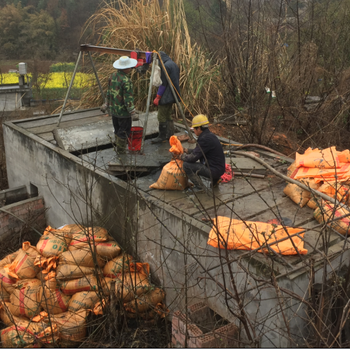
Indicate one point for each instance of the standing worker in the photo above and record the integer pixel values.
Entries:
(165, 98)
(208, 151)
(120, 101)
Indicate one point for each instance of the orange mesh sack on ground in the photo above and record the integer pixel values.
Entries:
(327, 212)
(250, 235)
(172, 176)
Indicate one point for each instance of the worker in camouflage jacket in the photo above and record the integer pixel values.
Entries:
(120, 101)
(165, 98)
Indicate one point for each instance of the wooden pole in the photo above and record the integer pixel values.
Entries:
(148, 102)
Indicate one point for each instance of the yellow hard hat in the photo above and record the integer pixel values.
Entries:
(199, 120)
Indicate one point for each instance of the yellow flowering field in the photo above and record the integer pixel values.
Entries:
(53, 80)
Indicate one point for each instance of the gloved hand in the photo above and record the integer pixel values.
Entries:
(104, 108)
(156, 100)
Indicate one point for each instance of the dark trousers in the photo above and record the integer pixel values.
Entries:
(122, 127)
(194, 170)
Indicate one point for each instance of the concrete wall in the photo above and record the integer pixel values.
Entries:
(10, 101)
(21, 221)
(172, 242)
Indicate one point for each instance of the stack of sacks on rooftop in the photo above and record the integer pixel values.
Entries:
(327, 171)
(48, 291)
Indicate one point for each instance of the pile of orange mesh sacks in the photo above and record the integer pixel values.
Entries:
(48, 291)
(327, 171)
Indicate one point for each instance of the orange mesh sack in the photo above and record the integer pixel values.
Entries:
(172, 177)
(327, 212)
(250, 235)
(54, 301)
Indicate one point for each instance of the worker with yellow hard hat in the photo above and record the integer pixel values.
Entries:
(208, 152)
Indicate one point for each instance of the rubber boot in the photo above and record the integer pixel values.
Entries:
(121, 145)
(162, 133)
(170, 131)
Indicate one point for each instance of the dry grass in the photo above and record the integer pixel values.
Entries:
(144, 25)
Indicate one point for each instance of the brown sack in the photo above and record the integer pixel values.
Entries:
(54, 301)
(52, 244)
(132, 285)
(172, 177)
(71, 326)
(71, 229)
(88, 237)
(4, 295)
(297, 194)
(117, 265)
(34, 282)
(81, 258)
(69, 272)
(8, 259)
(108, 250)
(28, 334)
(86, 283)
(23, 266)
(326, 212)
(8, 318)
(145, 301)
(26, 301)
(83, 300)
(6, 281)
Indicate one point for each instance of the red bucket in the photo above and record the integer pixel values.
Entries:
(135, 138)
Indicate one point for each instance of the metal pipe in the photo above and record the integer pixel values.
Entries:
(111, 50)
(148, 102)
(70, 86)
(98, 80)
